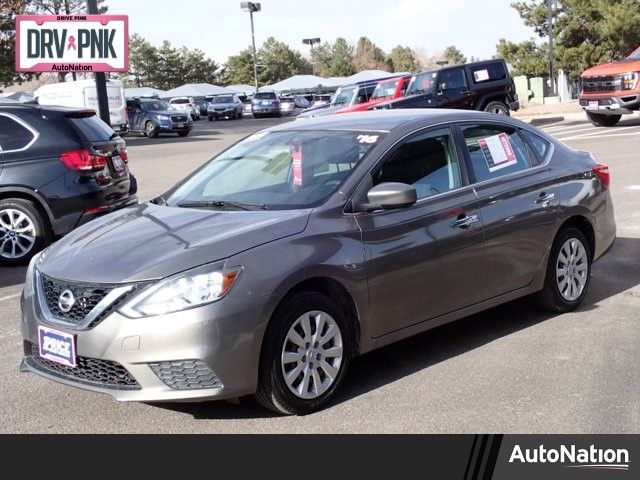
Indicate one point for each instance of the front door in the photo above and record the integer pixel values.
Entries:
(453, 89)
(423, 261)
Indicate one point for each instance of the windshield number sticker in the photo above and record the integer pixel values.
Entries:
(296, 158)
(498, 152)
(367, 139)
(255, 136)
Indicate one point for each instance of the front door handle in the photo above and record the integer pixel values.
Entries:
(545, 198)
(465, 222)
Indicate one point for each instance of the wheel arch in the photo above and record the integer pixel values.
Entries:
(583, 224)
(492, 97)
(27, 194)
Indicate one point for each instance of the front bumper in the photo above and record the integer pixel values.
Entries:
(172, 127)
(611, 105)
(220, 113)
(165, 356)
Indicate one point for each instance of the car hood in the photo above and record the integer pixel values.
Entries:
(149, 242)
(166, 112)
(613, 68)
(320, 112)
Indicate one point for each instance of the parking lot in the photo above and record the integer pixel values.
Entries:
(510, 369)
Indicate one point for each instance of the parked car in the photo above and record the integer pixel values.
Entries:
(391, 88)
(485, 86)
(227, 105)
(345, 97)
(287, 106)
(247, 107)
(204, 107)
(152, 117)
(187, 104)
(319, 100)
(59, 168)
(265, 104)
(612, 90)
(268, 269)
(83, 94)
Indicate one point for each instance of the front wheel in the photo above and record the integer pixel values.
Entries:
(306, 352)
(23, 231)
(499, 108)
(603, 120)
(568, 273)
(183, 134)
(210, 118)
(150, 130)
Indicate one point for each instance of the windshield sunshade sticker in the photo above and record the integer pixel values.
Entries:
(296, 158)
(498, 151)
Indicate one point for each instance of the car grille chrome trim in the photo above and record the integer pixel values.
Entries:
(83, 319)
(604, 83)
(178, 118)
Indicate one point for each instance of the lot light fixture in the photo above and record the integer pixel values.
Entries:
(252, 7)
(311, 42)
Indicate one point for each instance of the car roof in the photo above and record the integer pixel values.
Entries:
(388, 120)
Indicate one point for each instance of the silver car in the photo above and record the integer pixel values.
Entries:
(268, 269)
(225, 106)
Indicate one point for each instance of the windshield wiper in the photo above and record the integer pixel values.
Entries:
(223, 204)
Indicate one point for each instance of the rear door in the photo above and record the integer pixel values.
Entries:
(425, 260)
(453, 89)
(517, 195)
(16, 139)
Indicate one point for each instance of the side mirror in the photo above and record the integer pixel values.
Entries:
(389, 196)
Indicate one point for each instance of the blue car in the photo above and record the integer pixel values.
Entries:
(265, 104)
(152, 116)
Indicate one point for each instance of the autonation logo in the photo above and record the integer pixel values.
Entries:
(573, 457)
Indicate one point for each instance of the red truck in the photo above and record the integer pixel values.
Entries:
(611, 90)
(387, 89)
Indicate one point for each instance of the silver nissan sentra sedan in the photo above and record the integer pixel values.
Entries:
(268, 269)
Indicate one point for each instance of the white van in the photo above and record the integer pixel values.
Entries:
(82, 94)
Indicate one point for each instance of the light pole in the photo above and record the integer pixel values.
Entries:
(311, 42)
(552, 83)
(252, 7)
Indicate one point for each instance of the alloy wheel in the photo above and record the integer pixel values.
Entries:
(312, 355)
(17, 234)
(572, 269)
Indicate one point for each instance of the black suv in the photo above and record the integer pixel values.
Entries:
(59, 168)
(485, 86)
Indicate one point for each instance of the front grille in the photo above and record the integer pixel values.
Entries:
(88, 371)
(604, 83)
(186, 375)
(86, 298)
(178, 118)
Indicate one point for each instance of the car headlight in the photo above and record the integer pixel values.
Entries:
(187, 290)
(162, 117)
(30, 280)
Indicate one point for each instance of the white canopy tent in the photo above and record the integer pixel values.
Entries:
(246, 89)
(143, 92)
(295, 83)
(195, 90)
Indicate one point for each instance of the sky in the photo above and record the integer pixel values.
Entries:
(220, 28)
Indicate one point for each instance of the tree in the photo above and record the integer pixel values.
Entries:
(587, 33)
(334, 60)
(239, 68)
(143, 63)
(454, 55)
(527, 58)
(403, 60)
(8, 11)
(277, 61)
(368, 56)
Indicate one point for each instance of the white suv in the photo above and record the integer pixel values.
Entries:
(187, 104)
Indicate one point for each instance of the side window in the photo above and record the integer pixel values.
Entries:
(488, 73)
(496, 151)
(451, 79)
(427, 161)
(13, 135)
(539, 144)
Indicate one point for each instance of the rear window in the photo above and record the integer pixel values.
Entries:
(180, 100)
(489, 72)
(93, 128)
(13, 135)
(539, 144)
(265, 96)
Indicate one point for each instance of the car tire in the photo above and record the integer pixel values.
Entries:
(28, 227)
(274, 390)
(497, 107)
(150, 130)
(210, 118)
(183, 134)
(603, 120)
(571, 255)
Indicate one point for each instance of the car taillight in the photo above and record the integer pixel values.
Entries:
(83, 161)
(602, 171)
(124, 156)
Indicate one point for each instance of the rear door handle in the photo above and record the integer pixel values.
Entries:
(465, 222)
(545, 198)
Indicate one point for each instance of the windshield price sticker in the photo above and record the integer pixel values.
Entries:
(367, 139)
(296, 157)
(498, 151)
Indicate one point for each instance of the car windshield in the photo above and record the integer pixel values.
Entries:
(386, 89)
(635, 55)
(225, 99)
(155, 105)
(422, 83)
(276, 170)
(343, 96)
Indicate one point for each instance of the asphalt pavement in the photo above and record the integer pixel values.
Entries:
(511, 369)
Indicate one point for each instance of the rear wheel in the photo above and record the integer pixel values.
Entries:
(499, 108)
(23, 231)
(150, 130)
(210, 118)
(183, 134)
(568, 272)
(306, 352)
(603, 120)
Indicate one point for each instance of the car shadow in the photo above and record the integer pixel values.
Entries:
(613, 275)
(10, 276)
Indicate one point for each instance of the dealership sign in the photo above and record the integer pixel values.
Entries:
(72, 43)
